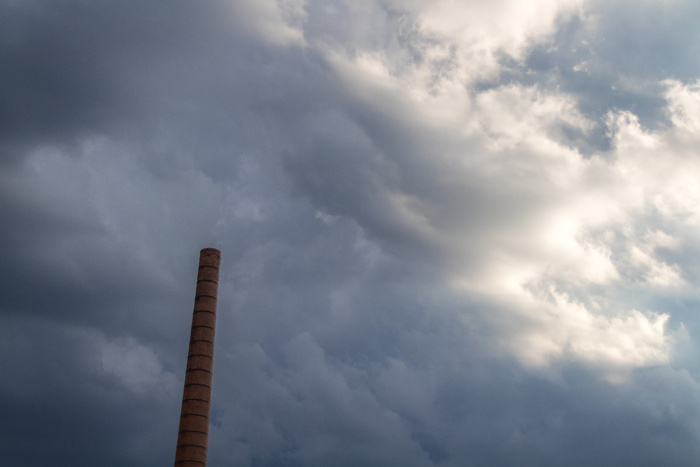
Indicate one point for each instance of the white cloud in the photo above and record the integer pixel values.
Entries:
(684, 106)
(136, 367)
(480, 31)
(545, 214)
(559, 327)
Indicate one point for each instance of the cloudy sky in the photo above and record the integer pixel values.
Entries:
(453, 232)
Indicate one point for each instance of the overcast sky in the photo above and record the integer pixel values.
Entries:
(453, 232)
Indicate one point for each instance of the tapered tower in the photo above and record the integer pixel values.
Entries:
(194, 418)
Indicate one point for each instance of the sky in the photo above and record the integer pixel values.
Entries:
(453, 233)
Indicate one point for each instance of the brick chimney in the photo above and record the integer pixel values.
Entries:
(194, 417)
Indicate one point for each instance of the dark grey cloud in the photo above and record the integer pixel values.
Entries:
(62, 406)
(437, 250)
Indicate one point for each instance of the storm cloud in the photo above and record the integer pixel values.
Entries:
(452, 233)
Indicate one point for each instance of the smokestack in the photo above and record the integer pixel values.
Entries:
(194, 417)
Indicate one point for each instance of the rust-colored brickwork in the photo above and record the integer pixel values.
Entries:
(194, 417)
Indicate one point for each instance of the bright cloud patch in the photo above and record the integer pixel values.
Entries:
(546, 216)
